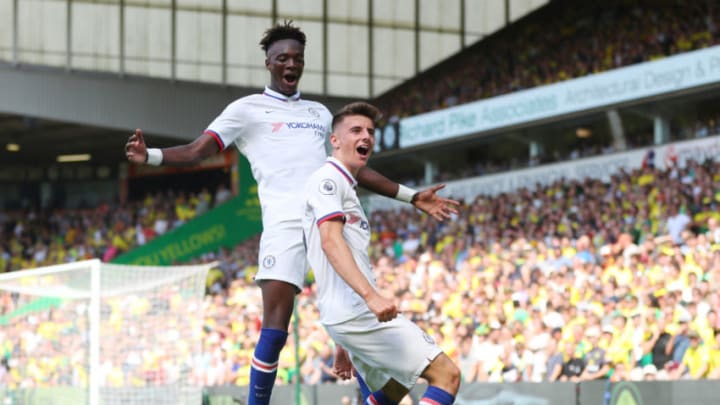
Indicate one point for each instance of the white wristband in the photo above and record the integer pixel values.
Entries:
(154, 156)
(405, 193)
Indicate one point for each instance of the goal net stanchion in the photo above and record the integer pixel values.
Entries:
(101, 334)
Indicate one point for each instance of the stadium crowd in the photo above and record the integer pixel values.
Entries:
(34, 237)
(579, 39)
(570, 281)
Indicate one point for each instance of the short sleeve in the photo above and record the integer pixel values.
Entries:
(324, 194)
(229, 125)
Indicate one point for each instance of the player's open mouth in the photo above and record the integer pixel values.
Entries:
(363, 150)
(291, 79)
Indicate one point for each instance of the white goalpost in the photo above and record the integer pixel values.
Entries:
(101, 334)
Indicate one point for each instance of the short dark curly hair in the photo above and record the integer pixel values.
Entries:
(286, 30)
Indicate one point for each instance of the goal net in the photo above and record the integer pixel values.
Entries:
(96, 333)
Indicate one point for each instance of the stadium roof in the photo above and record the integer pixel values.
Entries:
(40, 141)
(42, 133)
(94, 113)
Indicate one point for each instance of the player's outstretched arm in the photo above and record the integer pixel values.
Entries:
(377, 183)
(426, 200)
(189, 154)
(429, 202)
(339, 255)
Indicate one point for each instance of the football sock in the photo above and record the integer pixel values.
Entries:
(364, 389)
(263, 369)
(436, 396)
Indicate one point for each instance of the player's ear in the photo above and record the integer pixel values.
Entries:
(267, 63)
(334, 141)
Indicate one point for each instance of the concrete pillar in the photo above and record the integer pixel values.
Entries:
(616, 130)
(536, 149)
(661, 130)
(430, 171)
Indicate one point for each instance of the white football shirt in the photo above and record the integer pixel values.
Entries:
(330, 194)
(283, 138)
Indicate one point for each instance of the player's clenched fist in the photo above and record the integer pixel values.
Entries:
(342, 365)
(135, 149)
(383, 308)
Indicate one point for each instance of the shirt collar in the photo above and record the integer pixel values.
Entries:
(279, 96)
(341, 167)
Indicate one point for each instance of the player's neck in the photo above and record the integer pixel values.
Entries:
(350, 168)
(289, 93)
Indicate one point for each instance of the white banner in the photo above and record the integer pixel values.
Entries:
(601, 167)
(683, 71)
